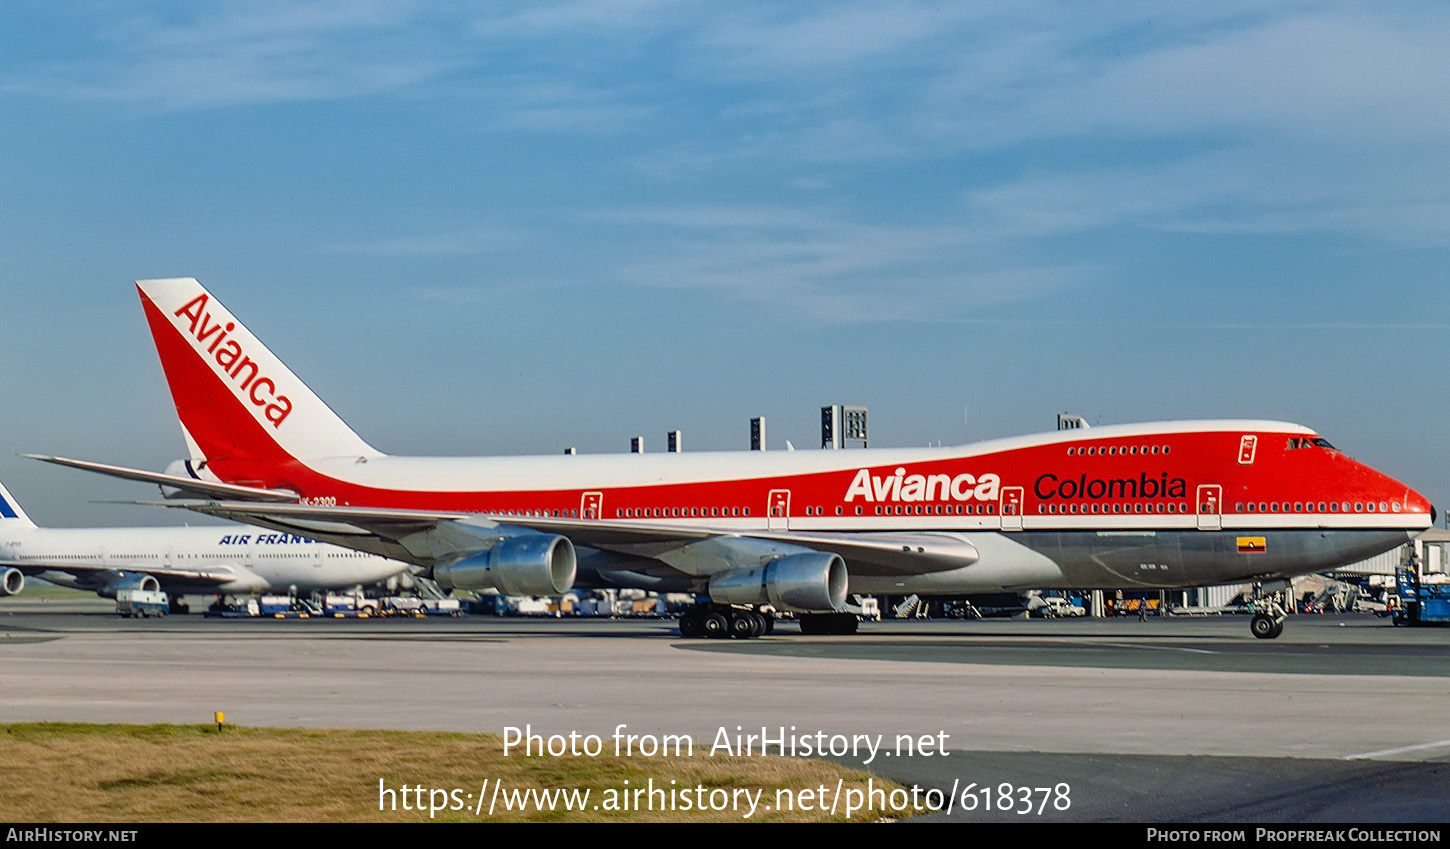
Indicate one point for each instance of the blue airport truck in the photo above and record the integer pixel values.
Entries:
(1421, 602)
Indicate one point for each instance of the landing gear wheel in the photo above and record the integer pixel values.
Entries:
(717, 621)
(716, 626)
(1264, 627)
(692, 623)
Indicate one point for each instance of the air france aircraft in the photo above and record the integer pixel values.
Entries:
(1140, 506)
(201, 561)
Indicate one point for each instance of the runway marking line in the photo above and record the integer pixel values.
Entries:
(1159, 648)
(1399, 750)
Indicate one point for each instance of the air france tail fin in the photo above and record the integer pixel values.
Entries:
(235, 399)
(11, 516)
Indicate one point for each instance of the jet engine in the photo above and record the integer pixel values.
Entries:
(531, 564)
(129, 581)
(803, 583)
(12, 581)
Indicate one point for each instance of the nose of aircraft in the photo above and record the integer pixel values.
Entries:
(1417, 503)
(1401, 498)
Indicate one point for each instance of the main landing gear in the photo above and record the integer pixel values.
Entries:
(1268, 623)
(718, 621)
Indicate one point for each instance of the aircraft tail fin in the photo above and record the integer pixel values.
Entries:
(11, 516)
(236, 400)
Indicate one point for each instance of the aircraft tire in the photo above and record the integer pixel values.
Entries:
(692, 623)
(715, 626)
(1263, 627)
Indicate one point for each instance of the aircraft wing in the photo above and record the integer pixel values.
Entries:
(217, 575)
(422, 536)
(865, 553)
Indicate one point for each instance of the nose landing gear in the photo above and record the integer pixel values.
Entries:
(1268, 623)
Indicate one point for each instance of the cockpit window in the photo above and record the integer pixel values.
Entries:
(1308, 442)
(1323, 443)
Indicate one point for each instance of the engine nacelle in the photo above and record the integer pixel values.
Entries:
(530, 564)
(129, 581)
(12, 581)
(803, 583)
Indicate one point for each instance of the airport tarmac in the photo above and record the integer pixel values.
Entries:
(1344, 718)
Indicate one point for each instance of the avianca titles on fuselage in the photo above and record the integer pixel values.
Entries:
(1164, 504)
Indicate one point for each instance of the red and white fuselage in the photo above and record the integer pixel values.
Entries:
(1166, 504)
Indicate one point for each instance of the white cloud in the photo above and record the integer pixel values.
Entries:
(257, 52)
(453, 242)
(808, 265)
(1261, 188)
(1346, 78)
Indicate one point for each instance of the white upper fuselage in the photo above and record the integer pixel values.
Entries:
(958, 487)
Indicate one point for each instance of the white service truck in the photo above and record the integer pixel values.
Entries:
(142, 603)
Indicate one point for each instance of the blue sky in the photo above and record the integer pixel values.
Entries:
(508, 228)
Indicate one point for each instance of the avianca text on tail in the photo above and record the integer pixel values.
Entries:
(1157, 505)
(232, 361)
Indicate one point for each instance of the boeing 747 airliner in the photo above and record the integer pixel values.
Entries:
(1165, 505)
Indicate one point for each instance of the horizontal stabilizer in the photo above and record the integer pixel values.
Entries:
(187, 486)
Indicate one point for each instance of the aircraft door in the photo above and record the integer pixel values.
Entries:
(1210, 507)
(778, 510)
(1011, 508)
(591, 505)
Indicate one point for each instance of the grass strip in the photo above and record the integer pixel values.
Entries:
(70, 772)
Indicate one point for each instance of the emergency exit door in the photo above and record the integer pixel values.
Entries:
(778, 510)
